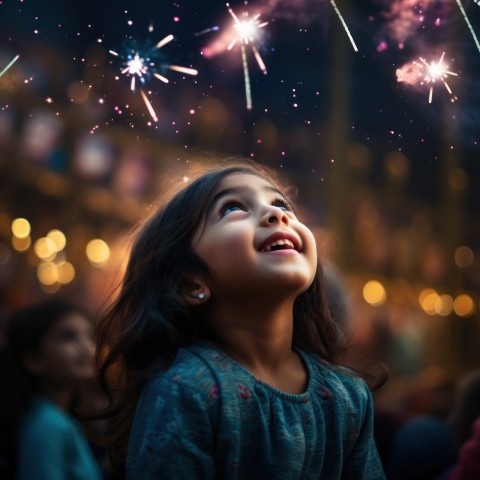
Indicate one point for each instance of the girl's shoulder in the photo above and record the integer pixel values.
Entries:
(336, 380)
(199, 367)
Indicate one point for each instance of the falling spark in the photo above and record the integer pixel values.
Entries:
(337, 11)
(149, 106)
(166, 40)
(10, 64)
(247, 32)
(206, 30)
(464, 13)
(142, 64)
(435, 71)
(188, 71)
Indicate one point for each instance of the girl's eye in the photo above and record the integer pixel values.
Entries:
(230, 206)
(283, 204)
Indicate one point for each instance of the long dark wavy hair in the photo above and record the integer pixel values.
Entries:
(142, 330)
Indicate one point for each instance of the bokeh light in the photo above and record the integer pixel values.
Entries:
(374, 293)
(21, 228)
(45, 248)
(464, 305)
(98, 252)
(21, 244)
(58, 239)
(444, 305)
(66, 273)
(47, 273)
(463, 256)
(427, 300)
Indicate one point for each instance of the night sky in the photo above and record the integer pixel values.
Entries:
(299, 47)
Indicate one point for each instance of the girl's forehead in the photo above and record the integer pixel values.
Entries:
(239, 180)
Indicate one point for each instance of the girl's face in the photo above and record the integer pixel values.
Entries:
(253, 242)
(66, 352)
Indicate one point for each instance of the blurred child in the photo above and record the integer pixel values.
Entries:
(47, 358)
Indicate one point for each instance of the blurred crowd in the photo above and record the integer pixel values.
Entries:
(49, 392)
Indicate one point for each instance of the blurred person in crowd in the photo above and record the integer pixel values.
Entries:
(426, 447)
(466, 408)
(422, 449)
(468, 464)
(47, 358)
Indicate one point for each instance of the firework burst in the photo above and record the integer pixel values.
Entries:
(436, 71)
(422, 72)
(144, 62)
(247, 32)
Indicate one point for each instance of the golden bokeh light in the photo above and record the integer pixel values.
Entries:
(21, 244)
(51, 289)
(463, 256)
(374, 293)
(47, 273)
(66, 273)
(21, 228)
(427, 299)
(464, 305)
(45, 248)
(58, 238)
(98, 252)
(444, 305)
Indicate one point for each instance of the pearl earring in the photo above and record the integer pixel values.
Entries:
(201, 296)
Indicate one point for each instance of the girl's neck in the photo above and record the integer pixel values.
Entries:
(259, 338)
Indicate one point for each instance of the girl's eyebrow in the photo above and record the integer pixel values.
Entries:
(240, 191)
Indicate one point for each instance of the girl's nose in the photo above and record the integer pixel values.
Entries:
(275, 215)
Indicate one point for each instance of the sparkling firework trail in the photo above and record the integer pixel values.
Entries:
(435, 71)
(10, 64)
(207, 30)
(142, 64)
(247, 32)
(337, 11)
(464, 13)
(248, 90)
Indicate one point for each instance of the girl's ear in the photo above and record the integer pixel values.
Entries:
(196, 292)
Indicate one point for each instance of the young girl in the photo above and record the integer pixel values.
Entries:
(47, 358)
(222, 349)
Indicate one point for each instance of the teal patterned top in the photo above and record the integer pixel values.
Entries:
(208, 417)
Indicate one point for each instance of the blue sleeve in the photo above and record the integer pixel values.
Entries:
(364, 462)
(42, 455)
(172, 435)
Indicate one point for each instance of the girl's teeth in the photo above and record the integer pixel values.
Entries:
(268, 248)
